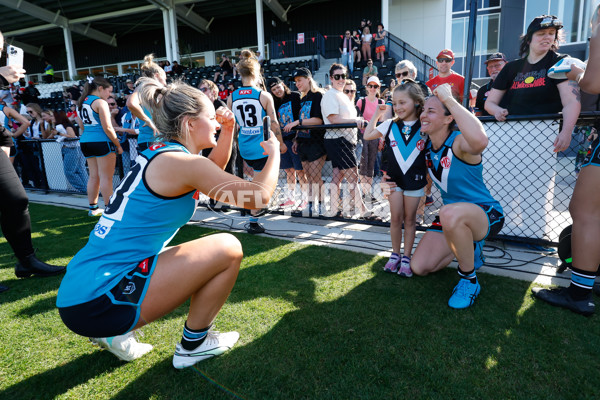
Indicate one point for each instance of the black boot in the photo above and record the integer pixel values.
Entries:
(3, 288)
(30, 265)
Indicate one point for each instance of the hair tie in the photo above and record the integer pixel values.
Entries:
(163, 90)
(90, 79)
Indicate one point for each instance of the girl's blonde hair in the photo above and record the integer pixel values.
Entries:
(149, 68)
(248, 66)
(169, 105)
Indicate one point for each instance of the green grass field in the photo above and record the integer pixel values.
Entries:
(315, 323)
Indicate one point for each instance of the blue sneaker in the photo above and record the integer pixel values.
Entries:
(464, 294)
(479, 258)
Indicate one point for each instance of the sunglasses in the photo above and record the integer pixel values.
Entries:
(402, 74)
(373, 86)
(444, 60)
(348, 91)
(337, 77)
(112, 104)
(29, 112)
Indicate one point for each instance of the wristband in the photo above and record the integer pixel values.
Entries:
(300, 122)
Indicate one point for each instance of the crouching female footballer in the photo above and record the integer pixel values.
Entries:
(470, 214)
(124, 277)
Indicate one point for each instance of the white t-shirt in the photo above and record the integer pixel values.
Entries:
(336, 102)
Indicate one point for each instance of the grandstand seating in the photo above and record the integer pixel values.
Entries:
(51, 94)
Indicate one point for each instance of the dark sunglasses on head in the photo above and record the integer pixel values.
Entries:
(348, 91)
(373, 86)
(444, 60)
(402, 74)
(337, 77)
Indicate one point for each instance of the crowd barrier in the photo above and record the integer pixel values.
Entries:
(533, 184)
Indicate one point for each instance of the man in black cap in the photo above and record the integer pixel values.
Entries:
(494, 65)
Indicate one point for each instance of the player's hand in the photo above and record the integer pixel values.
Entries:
(271, 146)
(225, 118)
(282, 148)
(119, 149)
(295, 148)
(443, 92)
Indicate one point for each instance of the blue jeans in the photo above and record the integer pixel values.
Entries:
(74, 167)
(348, 60)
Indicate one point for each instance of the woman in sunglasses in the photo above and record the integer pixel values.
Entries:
(341, 143)
(524, 88)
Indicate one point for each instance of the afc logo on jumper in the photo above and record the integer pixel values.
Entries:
(130, 288)
(393, 143)
(246, 91)
(421, 145)
(156, 146)
(445, 163)
(103, 227)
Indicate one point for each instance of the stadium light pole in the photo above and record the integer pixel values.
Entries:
(70, 53)
(260, 29)
(470, 58)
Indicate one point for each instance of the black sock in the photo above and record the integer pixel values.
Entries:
(192, 338)
(93, 206)
(470, 275)
(581, 283)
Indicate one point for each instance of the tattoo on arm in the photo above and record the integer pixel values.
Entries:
(575, 90)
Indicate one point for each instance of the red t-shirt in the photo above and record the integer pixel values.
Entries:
(455, 80)
(224, 94)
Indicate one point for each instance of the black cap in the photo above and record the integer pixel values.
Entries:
(273, 81)
(495, 57)
(543, 22)
(302, 71)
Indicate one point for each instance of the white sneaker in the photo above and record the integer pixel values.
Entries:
(125, 347)
(96, 212)
(215, 344)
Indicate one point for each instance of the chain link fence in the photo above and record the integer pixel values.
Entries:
(532, 183)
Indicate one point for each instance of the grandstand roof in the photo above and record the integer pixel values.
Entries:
(36, 23)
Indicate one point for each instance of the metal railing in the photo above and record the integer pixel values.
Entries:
(400, 50)
(532, 183)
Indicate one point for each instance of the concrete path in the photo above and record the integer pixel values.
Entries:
(512, 260)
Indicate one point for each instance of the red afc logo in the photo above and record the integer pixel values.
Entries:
(421, 145)
(445, 163)
(143, 266)
(156, 146)
(246, 91)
